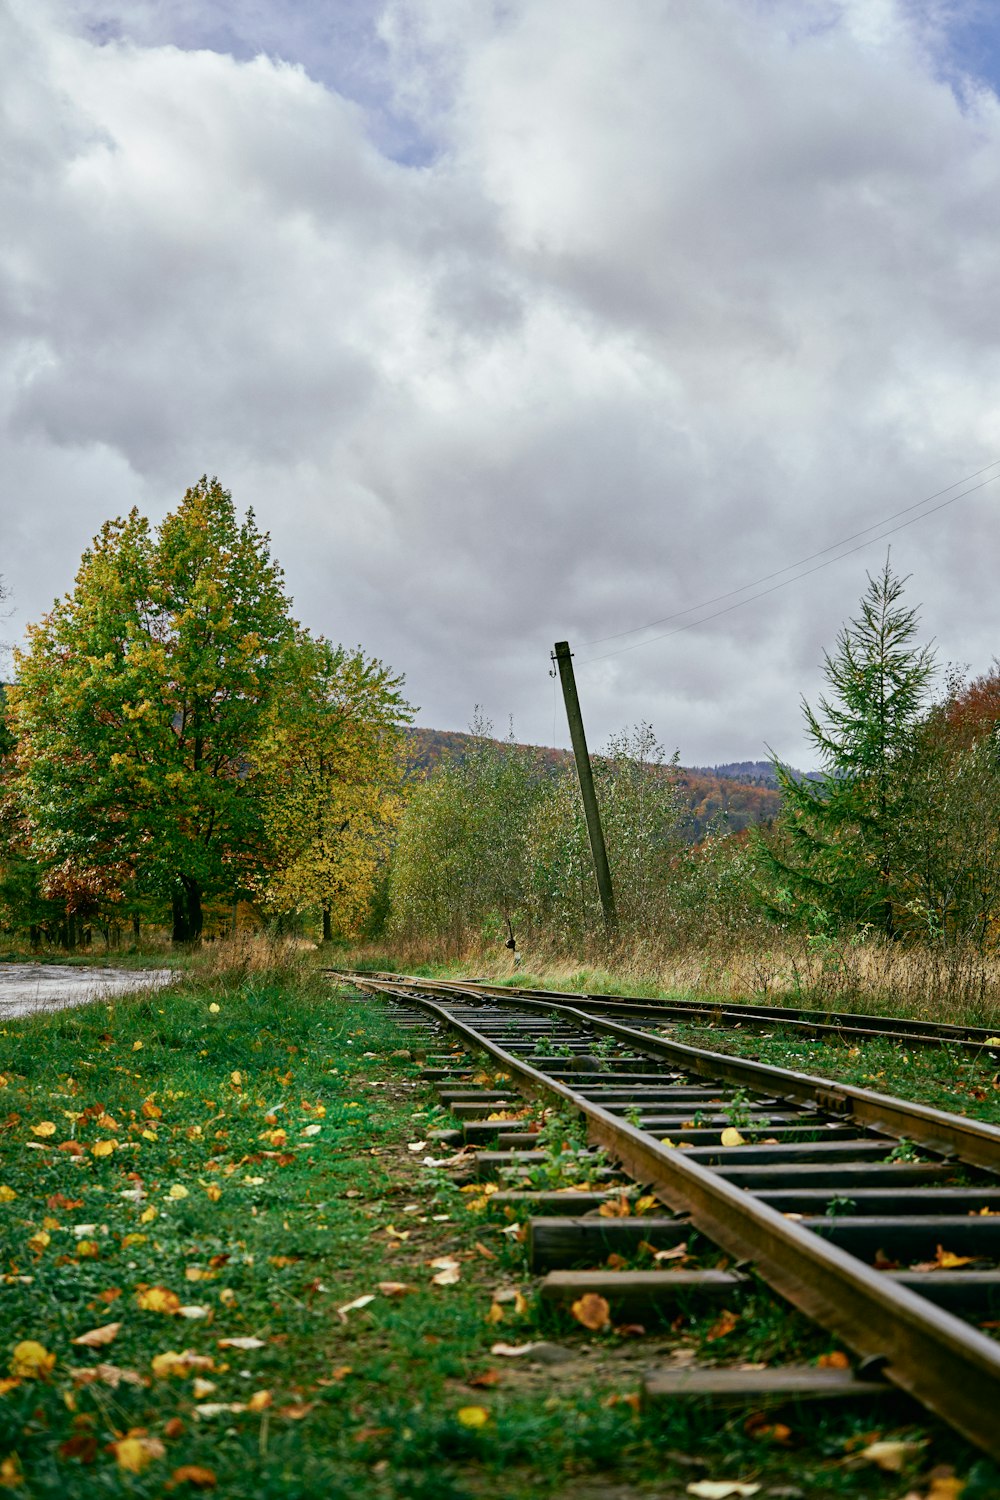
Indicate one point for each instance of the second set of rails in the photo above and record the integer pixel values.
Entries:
(878, 1218)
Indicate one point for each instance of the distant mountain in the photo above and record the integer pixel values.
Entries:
(736, 795)
(753, 772)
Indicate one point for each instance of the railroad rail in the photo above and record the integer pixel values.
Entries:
(878, 1218)
(848, 1025)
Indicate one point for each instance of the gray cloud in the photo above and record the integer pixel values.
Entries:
(513, 323)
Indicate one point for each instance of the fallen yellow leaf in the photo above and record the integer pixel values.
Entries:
(43, 1128)
(180, 1364)
(159, 1299)
(103, 1148)
(473, 1416)
(31, 1361)
(7, 1194)
(135, 1453)
(731, 1137)
(10, 1472)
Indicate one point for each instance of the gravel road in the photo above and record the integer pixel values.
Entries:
(26, 989)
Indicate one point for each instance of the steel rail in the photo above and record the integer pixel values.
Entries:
(948, 1366)
(970, 1141)
(820, 1023)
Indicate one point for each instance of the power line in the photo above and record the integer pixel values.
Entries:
(834, 546)
(774, 587)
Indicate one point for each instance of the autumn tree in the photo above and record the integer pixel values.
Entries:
(141, 698)
(332, 770)
(838, 862)
(947, 851)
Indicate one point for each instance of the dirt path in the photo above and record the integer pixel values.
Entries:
(29, 988)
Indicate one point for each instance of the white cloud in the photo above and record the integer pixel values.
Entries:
(682, 293)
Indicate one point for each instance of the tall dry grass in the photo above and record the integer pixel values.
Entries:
(255, 959)
(870, 977)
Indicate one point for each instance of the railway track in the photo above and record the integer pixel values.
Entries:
(878, 1218)
(847, 1025)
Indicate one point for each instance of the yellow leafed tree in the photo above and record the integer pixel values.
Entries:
(331, 764)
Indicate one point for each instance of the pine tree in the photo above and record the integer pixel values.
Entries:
(835, 863)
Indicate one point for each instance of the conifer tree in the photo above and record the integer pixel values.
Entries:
(836, 862)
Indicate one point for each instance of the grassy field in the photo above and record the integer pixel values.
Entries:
(199, 1184)
(959, 985)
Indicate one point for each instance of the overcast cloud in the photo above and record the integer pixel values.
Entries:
(516, 322)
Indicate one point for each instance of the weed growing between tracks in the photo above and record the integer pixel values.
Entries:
(250, 1166)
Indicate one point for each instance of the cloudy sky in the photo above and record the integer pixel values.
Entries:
(519, 321)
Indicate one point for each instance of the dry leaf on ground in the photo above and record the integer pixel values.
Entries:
(724, 1323)
(837, 1360)
(195, 1475)
(95, 1338)
(890, 1455)
(358, 1303)
(180, 1364)
(447, 1270)
(721, 1489)
(592, 1311)
(112, 1375)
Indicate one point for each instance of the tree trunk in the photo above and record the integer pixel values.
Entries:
(327, 923)
(186, 903)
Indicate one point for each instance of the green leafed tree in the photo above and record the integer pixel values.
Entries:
(141, 698)
(465, 859)
(836, 861)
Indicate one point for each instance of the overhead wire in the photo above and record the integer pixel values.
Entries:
(704, 620)
(834, 546)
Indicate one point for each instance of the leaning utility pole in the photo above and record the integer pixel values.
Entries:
(563, 658)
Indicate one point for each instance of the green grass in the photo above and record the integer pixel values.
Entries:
(281, 1245)
(943, 1077)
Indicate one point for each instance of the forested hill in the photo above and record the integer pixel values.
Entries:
(745, 791)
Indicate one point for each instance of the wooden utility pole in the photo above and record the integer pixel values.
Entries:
(563, 658)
